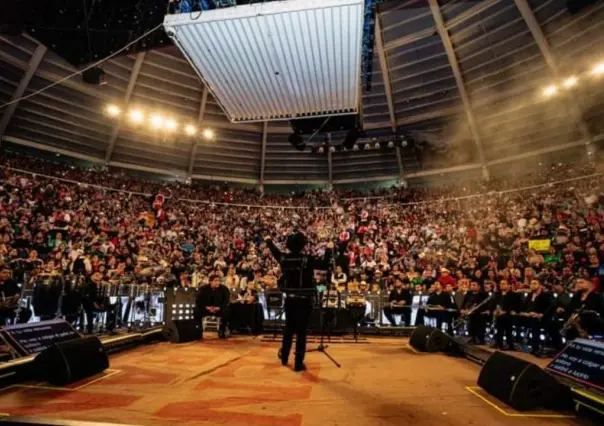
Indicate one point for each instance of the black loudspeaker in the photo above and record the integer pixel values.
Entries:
(520, 384)
(429, 339)
(70, 361)
(576, 6)
(94, 76)
(182, 331)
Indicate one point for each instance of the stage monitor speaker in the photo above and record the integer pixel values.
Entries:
(71, 361)
(429, 339)
(520, 384)
(182, 331)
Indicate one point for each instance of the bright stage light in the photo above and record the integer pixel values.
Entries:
(570, 82)
(113, 110)
(137, 116)
(208, 134)
(157, 121)
(598, 69)
(550, 91)
(171, 125)
(190, 130)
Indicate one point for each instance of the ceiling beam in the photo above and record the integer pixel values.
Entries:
(138, 63)
(329, 163)
(202, 111)
(33, 64)
(379, 43)
(544, 47)
(444, 36)
(263, 154)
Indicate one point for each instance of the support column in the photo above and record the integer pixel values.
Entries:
(33, 65)
(263, 155)
(202, 111)
(138, 63)
(329, 167)
(379, 44)
(544, 47)
(446, 40)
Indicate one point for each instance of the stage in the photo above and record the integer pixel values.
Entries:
(240, 381)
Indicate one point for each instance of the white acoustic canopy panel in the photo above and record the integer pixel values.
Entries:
(276, 60)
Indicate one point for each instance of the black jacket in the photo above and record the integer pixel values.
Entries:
(396, 296)
(507, 302)
(208, 296)
(308, 264)
(540, 304)
(474, 299)
(443, 299)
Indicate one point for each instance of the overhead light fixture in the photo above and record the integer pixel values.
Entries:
(550, 91)
(113, 110)
(190, 130)
(570, 82)
(156, 121)
(404, 143)
(332, 149)
(136, 116)
(598, 69)
(355, 147)
(321, 150)
(390, 144)
(367, 146)
(208, 134)
(377, 145)
(171, 125)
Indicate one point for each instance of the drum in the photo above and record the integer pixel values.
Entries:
(73, 294)
(46, 295)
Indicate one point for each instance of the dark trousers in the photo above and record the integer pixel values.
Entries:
(504, 326)
(441, 317)
(533, 326)
(223, 314)
(553, 329)
(297, 314)
(90, 310)
(390, 312)
(477, 324)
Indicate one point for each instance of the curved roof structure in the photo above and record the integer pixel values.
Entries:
(466, 77)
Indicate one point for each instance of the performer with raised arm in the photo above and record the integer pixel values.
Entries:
(298, 285)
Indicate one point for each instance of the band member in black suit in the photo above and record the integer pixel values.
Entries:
(535, 314)
(440, 306)
(587, 308)
(477, 319)
(506, 306)
(95, 300)
(10, 293)
(561, 311)
(399, 303)
(213, 300)
(297, 283)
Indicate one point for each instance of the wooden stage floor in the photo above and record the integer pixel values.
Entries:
(240, 381)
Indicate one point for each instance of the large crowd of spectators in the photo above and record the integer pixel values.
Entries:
(64, 217)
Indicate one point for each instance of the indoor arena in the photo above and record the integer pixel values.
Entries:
(302, 212)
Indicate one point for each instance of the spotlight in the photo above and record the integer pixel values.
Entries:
(598, 69)
(137, 116)
(171, 125)
(208, 134)
(367, 146)
(377, 145)
(321, 150)
(355, 147)
(570, 82)
(157, 121)
(404, 143)
(332, 149)
(113, 110)
(190, 130)
(550, 91)
(390, 144)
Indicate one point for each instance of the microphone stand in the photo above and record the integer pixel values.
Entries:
(322, 346)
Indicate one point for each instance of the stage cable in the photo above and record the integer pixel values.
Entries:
(70, 76)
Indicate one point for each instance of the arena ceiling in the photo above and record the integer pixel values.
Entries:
(466, 77)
